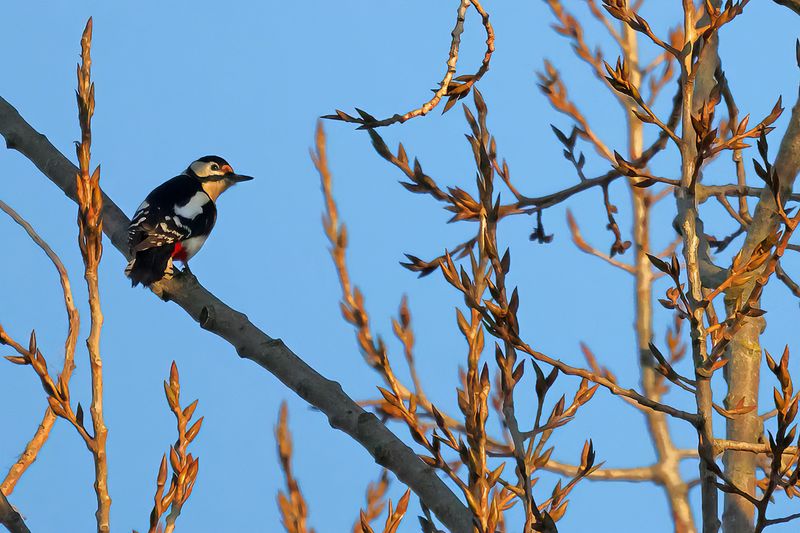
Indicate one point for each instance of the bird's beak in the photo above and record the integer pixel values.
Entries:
(236, 178)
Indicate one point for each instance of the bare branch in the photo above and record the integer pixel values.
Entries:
(542, 202)
(720, 445)
(10, 518)
(791, 284)
(252, 343)
(291, 503)
(184, 465)
(453, 89)
(43, 431)
(586, 248)
(90, 235)
(744, 350)
(376, 502)
(637, 474)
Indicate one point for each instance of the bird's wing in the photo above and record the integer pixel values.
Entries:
(155, 222)
(151, 229)
(174, 211)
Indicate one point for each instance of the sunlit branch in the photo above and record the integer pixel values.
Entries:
(31, 451)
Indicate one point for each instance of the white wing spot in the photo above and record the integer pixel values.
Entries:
(194, 206)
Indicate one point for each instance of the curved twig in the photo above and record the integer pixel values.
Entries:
(28, 456)
(452, 89)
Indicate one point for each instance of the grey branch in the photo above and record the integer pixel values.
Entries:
(744, 351)
(787, 165)
(10, 518)
(252, 343)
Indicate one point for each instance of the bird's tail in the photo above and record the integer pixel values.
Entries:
(150, 265)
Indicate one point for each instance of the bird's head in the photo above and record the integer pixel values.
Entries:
(215, 175)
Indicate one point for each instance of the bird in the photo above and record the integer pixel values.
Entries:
(175, 219)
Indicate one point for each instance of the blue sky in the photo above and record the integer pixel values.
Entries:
(247, 80)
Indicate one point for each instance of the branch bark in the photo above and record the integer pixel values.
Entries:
(90, 240)
(695, 80)
(250, 342)
(742, 373)
(10, 518)
(666, 472)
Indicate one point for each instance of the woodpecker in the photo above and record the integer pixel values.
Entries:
(176, 218)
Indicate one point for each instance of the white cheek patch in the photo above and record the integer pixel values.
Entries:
(193, 207)
(200, 168)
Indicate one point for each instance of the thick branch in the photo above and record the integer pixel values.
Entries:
(252, 343)
(787, 166)
(745, 355)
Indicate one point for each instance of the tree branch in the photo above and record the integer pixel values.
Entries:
(31, 451)
(744, 352)
(252, 343)
(10, 518)
(451, 88)
(90, 240)
(635, 474)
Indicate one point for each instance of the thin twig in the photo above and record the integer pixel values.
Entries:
(292, 504)
(791, 284)
(90, 225)
(454, 89)
(31, 451)
(637, 474)
(586, 248)
(184, 466)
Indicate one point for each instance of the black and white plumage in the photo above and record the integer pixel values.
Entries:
(176, 218)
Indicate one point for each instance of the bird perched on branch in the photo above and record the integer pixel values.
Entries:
(176, 218)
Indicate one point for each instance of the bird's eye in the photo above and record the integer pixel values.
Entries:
(214, 166)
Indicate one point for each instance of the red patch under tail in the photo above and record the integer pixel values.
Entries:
(179, 252)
